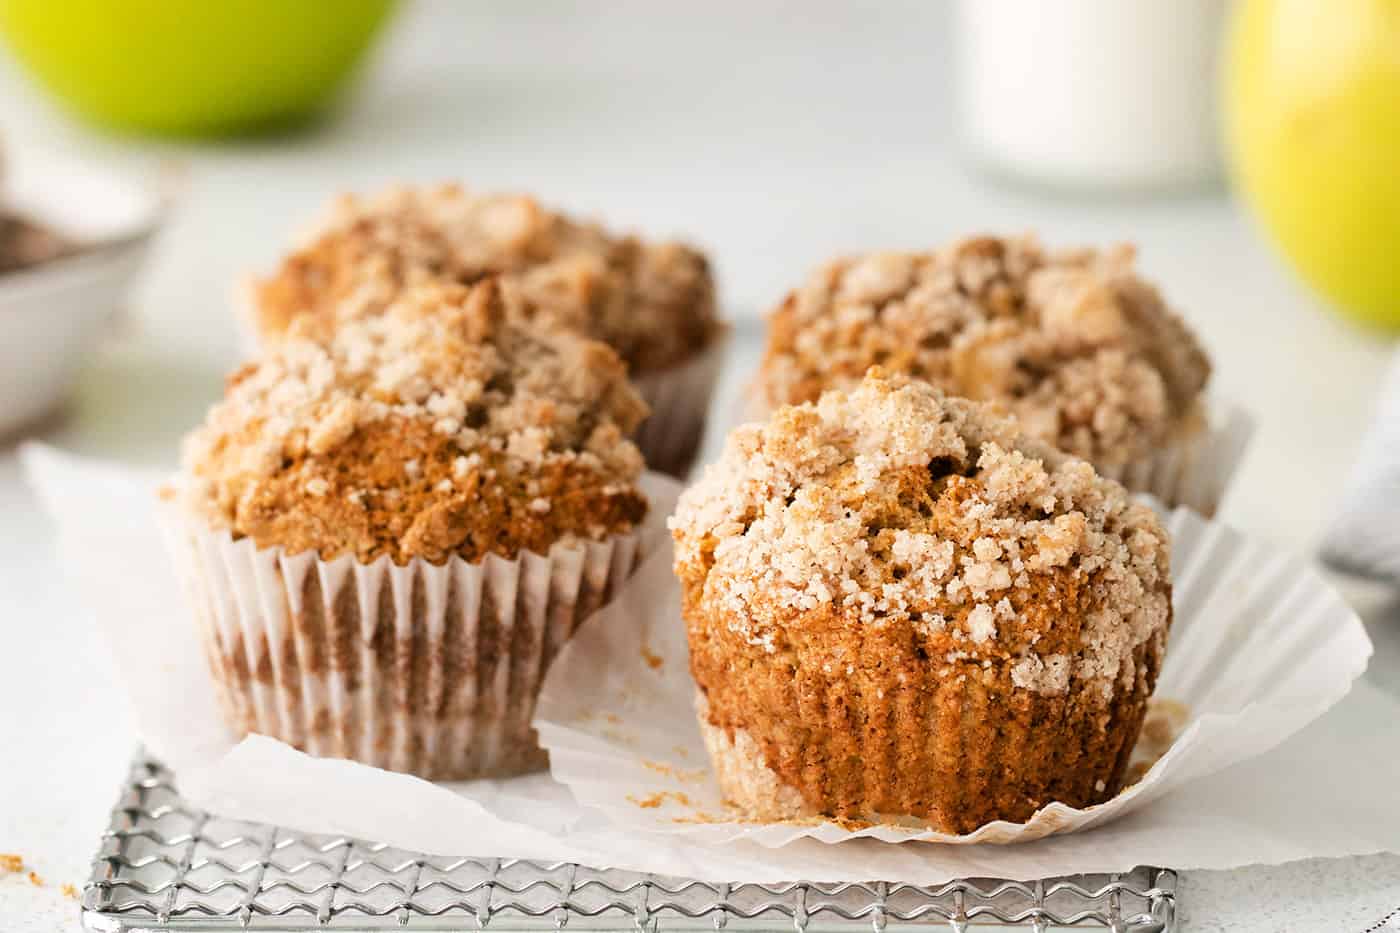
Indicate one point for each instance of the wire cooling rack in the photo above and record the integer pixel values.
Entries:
(165, 865)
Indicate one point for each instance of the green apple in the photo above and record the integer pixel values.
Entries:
(1312, 116)
(192, 67)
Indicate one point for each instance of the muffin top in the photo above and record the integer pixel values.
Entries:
(1080, 349)
(896, 506)
(652, 303)
(446, 425)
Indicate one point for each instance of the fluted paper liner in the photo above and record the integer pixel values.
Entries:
(425, 669)
(1260, 647)
(1193, 470)
(679, 398)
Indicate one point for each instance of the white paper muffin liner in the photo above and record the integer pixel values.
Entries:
(679, 398)
(1194, 470)
(425, 669)
(1260, 646)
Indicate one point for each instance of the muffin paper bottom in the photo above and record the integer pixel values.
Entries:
(1260, 646)
(1196, 469)
(981, 749)
(430, 670)
(679, 398)
(743, 776)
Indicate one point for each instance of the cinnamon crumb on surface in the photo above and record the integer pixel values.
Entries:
(651, 659)
(685, 775)
(1074, 343)
(69, 891)
(654, 303)
(436, 428)
(35, 880)
(11, 864)
(653, 801)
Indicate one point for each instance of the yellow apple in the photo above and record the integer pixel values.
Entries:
(191, 67)
(1312, 117)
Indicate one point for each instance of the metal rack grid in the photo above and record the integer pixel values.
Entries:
(164, 865)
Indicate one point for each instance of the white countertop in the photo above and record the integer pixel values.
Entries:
(772, 135)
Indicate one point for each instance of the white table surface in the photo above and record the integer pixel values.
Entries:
(775, 134)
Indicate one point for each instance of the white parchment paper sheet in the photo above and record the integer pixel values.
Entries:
(1328, 791)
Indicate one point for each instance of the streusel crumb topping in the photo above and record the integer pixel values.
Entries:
(1083, 351)
(654, 303)
(446, 425)
(894, 505)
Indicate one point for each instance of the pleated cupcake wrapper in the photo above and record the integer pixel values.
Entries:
(1260, 646)
(679, 398)
(426, 669)
(971, 749)
(1193, 470)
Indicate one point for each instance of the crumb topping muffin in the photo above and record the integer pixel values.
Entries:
(446, 425)
(900, 607)
(652, 303)
(1084, 352)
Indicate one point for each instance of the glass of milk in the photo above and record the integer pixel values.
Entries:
(1092, 94)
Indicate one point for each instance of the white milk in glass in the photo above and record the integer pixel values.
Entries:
(1114, 94)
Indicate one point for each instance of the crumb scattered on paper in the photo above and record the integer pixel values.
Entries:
(69, 891)
(685, 775)
(619, 736)
(652, 801)
(612, 731)
(35, 880)
(11, 864)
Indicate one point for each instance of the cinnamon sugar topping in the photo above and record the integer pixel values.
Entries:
(1082, 350)
(447, 424)
(894, 505)
(653, 303)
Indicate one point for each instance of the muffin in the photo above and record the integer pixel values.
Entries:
(1081, 350)
(902, 610)
(652, 303)
(389, 533)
